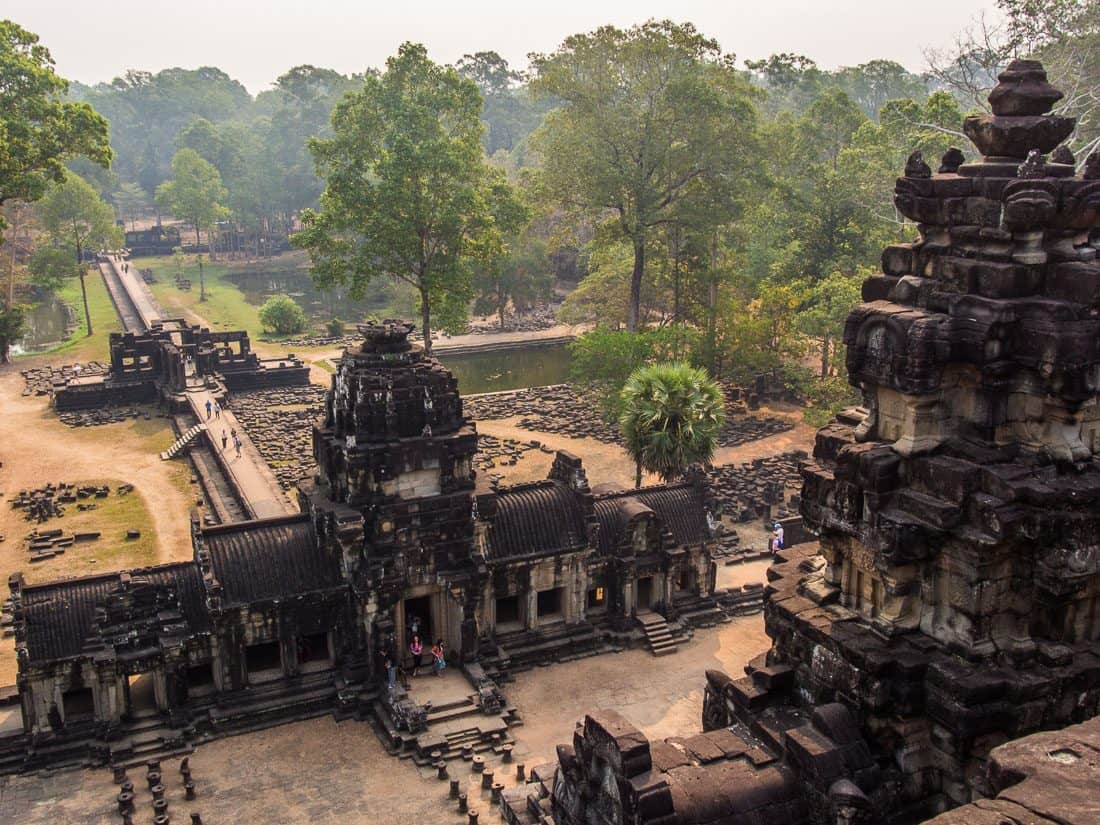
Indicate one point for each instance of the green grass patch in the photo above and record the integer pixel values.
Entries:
(112, 517)
(225, 307)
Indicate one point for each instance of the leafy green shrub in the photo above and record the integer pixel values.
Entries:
(282, 316)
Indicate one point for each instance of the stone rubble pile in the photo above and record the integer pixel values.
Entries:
(112, 414)
(280, 421)
(559, 409)
(543, 316)
(41, 380)
(45, 503)
(746, 491)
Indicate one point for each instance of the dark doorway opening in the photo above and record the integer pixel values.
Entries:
(686, 579)
(597, 598)
(79, 705)
(645, 592)
(313, 651)
(508, 613)
(264, 661)
(200, 679)
(418, 620)
(549, 604)
(143, 694)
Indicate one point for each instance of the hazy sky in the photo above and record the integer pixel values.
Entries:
(256, 41)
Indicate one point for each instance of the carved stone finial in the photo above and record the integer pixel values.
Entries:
(1033, 167)
(952, 159)
(915, 167)
(1092, 166)
(1063, 155)
(1023, 90)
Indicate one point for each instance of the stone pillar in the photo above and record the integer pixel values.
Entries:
(531, 619)
(160, 688)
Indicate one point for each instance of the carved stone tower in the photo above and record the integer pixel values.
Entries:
(955, 602)
(395, 472)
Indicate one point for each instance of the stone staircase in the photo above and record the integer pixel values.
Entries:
(658, 636)
(181, 443)
(148, 737)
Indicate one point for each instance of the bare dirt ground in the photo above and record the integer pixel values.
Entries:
(324, 773)
(610, 463)
(35, 448)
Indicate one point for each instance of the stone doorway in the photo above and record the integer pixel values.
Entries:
(645, 593)
(142, 694)
(418, 621)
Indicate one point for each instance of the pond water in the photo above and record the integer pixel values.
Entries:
(318, 305)
(531, 366)
(48, 323)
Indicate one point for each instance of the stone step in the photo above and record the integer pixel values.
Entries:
(452, 713)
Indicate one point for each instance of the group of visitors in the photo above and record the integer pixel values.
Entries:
(213, 407)
(438, 653)
(236, 441)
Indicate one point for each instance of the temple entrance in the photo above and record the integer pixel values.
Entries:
(645, 593)
(418, 621)
(142, 693)
(264, 662)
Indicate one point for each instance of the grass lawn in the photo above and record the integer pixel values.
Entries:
(112, 517)
(81, 346)
(225, 307)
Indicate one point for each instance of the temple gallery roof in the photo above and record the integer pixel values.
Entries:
(269, 559)
(59, 615)
(536, 519)
(547, 517)
(677, 507)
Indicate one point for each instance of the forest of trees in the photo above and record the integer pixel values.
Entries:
(724, 209)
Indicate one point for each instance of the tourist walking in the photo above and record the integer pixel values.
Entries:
(416, 648)
(217, 410)
(209, 407)
(237, 445)
(225, 440)
(439, 658)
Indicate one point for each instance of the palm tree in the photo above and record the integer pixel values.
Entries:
(672, 415)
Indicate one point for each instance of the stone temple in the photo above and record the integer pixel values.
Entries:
(954, 603)
(286, 617)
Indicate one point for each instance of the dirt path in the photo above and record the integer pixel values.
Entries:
(610, 463)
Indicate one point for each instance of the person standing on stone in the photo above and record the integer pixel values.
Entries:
(391, 673)
(225, 440)
(237, 445)
(416, 648)
(777, 538)
(439, 657)
(217, 410)
(209, 407)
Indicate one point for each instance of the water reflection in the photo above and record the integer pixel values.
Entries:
(531, 366)
(48, 323)
(318, 305)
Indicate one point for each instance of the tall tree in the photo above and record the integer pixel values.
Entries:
(39, 129)
(130, 200)
(672, 416)
(650, 117)
(195, 194)
(408, 195)
(75, 217)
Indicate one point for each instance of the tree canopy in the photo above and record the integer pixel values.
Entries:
(672, 416)
(408, 194)
(39, 129)
(652, 118)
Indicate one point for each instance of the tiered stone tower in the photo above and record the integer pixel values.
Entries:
(955, 603)
(395, 484)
